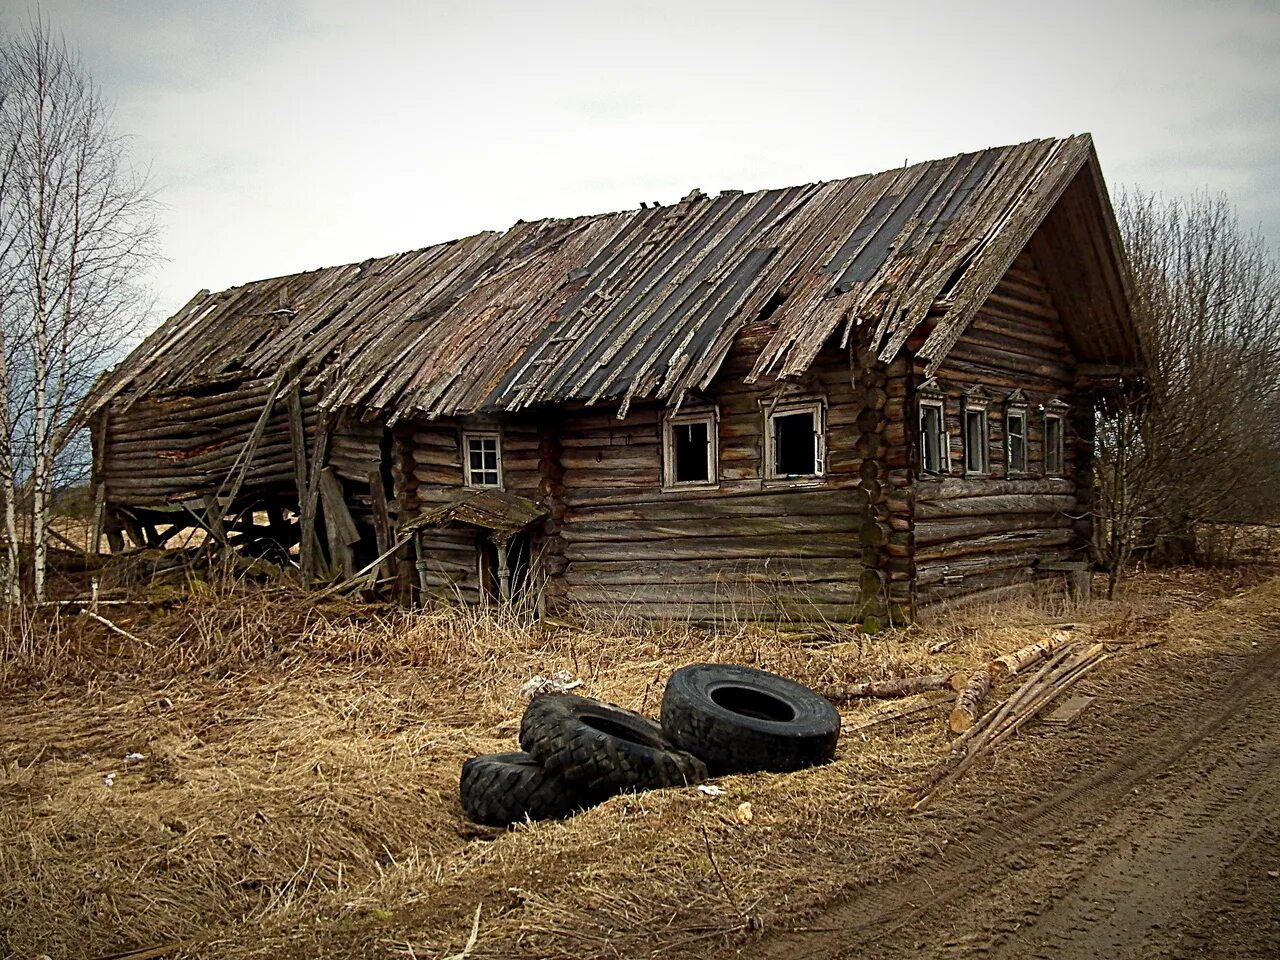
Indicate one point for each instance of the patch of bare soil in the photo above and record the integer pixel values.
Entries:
(1151, 829)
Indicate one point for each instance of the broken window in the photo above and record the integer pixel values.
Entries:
(1053, 444)
(689, 447)
(933, 438)
(483, 459)
(975, 439)
(796, 446)
(1015, 440)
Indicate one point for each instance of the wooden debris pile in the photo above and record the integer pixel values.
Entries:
(1063, 660)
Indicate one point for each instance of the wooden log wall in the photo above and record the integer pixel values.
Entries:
(175, 447)
(748, 549)
(428, 470)
(970, 535)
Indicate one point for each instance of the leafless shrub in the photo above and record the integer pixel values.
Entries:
(1199, 440)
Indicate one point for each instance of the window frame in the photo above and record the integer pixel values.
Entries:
(1055, 411)
(711, 417)
(943, 451)
(817, 407)
(1018, 410)
(467, 478)
(969, 409)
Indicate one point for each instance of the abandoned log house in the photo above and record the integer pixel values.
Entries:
(867, 396)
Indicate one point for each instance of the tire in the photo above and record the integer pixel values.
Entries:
(742, 720)
(505, 788)
(603, 748)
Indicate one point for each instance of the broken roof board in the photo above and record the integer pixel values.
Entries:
(638, 304)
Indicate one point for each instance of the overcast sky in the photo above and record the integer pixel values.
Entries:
(289, 135)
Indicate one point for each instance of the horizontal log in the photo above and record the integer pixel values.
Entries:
(936, 572)
(771, 502)
(996, 504)
(637, 531)
(996, 542)
(611, 609)
(653, 571)
(952, 487)
(725, 548)
(932, 532)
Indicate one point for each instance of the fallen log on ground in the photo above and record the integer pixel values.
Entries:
(1019, 660)
(896, 687)
(969, 702)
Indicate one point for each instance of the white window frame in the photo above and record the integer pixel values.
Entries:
(817, 408)
(1056, 413)
(944, 440)
(983, 444)
(467, 437)
(1019, 411)
(711, 417)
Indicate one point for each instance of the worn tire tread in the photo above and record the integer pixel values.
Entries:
(553, 733)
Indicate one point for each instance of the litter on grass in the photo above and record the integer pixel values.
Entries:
(561, 682)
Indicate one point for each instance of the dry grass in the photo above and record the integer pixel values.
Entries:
(297, 791)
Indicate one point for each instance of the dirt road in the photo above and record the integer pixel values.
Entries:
(1150, 829)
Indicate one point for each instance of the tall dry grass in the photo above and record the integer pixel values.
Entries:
(295, 793)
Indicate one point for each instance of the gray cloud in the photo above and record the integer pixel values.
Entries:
(289, 135)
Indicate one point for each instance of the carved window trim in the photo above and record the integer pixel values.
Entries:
(1016, 440)
(974, 419)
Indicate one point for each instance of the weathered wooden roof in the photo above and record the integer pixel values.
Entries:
(639, 304)
(503, 513)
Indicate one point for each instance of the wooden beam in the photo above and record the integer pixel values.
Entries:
(99, 484)
(340, 526)
(504, 571)
(214, 519)
(381, 513)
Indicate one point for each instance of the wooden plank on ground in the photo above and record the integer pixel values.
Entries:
(1068, 711)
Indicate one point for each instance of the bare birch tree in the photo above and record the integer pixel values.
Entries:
(1200, 443)
(76, 229)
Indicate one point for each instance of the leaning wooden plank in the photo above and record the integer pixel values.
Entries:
(966, 748)
(381, 513)
(338, 523)
(214, 520)
(306, 523)
(1082, 665)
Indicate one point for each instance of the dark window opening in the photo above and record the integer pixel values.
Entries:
(1053, 445)
(932, 439)
(691, 452)
(1016, 443)
(975, 441)
(795, 444)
